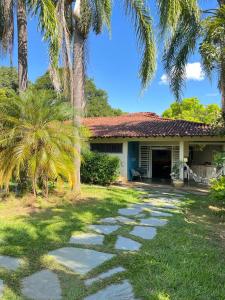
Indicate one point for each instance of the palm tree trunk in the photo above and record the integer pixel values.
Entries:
(22, 44)
(78, 95)
(222, 70)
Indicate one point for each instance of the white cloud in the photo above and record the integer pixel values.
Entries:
(164, 79)
(193, 71)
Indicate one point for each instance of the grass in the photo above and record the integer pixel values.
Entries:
(184, 261)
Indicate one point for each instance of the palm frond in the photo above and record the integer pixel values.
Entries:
(142, 20)
(180, 46)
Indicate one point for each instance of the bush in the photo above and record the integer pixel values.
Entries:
(218, 188)
(98, 168)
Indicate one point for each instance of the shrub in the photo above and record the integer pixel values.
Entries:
(218, 188)
(98, 168)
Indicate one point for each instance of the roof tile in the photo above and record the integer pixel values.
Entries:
(144, 124)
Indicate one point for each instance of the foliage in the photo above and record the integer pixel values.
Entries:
(97, 102)
(98, 168)
(191, 109)
(176, 170)
(218, 188)
(8, 78)
(193, 238)
(219, 159)
(204, 30)
(96, 99)
(35, 139)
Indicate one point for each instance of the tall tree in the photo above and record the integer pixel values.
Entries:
(7, 10)
(22, 45)
(206, 32)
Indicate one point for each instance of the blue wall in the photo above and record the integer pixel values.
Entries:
(133, 157)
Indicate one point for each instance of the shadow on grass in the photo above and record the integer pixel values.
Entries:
(32, 237)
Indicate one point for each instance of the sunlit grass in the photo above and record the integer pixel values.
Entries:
(184, 261)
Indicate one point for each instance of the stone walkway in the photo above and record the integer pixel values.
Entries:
(145, 218)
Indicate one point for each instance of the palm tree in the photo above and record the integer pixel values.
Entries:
(206, 29)
(7, 9)
(90, 16)
(10, 9)
(36, 140)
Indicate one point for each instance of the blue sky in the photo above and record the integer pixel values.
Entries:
(113, 63)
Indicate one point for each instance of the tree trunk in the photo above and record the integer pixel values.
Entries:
(22, 44)
(78, 96)
(222, 70)
(34, 186)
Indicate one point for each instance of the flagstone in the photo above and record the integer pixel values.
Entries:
(1, 288)
(87, 239)
(153, 222)
(104, 229)
(156, 213)
(130, 211)
(104, 275)
(43, 285)
(125, 220)
(144, 232)
(110, 220)
(118, 219)
(80, 260)
(10, 263)
(126, 244)
(120, 291)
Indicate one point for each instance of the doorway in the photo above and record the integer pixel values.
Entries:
(161, 163)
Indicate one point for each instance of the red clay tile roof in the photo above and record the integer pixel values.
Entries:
(144, 124)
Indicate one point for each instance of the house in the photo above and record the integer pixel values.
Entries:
(155, 144)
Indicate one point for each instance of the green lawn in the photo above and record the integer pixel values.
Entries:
(186, 260)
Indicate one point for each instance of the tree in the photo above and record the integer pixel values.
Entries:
(204, 30)
(96, 104)
(8, 78)
(17, 9)
(7, 9)
(191, 109)
(36, 140)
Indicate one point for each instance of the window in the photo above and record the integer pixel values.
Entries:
(107, 147)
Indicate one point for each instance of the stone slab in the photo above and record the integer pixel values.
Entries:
(144, 232)
(1, 288)
(126, 244)
(104, 275)
(10, 263)
(87, 239)
(104, 229)
(153, 222)
(156, 213)
(80, 260)
(118, 219)
(130, 211)
(110, 220)
(121, 291)
(43, 285)
(125, 220)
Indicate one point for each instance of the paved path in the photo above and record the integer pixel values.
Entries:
(146, 217)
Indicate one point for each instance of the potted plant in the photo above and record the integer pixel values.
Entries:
(175, 175)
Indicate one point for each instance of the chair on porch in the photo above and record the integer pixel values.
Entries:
(135, 174)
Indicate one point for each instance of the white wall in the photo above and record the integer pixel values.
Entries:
(122, 157)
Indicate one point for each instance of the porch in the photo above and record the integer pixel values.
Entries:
(157, 159)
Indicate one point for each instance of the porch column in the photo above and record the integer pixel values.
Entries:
(181, 159)
(125, 160)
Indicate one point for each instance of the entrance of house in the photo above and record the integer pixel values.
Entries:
(161, 163)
